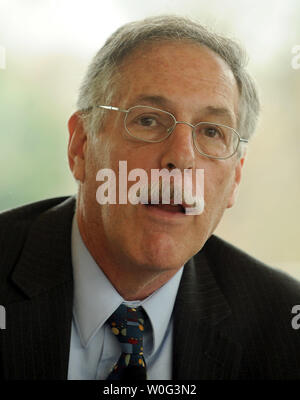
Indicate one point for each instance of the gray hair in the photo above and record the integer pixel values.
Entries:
(100, 83)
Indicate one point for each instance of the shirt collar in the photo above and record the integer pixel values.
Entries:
(95, 298)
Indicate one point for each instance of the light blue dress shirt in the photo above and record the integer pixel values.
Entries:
(94, 349)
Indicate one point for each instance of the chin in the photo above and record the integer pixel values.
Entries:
(164, 253)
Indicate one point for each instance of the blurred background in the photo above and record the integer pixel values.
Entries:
(45, 48)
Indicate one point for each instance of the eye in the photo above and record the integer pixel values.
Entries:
(146, 120)
(212, 132)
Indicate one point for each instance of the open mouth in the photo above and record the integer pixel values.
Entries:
(170, 208)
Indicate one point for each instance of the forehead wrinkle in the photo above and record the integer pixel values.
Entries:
(164, 74)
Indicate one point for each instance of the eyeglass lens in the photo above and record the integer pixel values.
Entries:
(154, 125)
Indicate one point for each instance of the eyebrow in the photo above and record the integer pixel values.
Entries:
(220, 112)
(160, 101)
(154, 100)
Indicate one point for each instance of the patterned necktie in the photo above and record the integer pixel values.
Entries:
(128, 326)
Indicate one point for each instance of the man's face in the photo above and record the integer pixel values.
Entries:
(194, 84)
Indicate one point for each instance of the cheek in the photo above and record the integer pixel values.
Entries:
(100, 151)
(218, 188)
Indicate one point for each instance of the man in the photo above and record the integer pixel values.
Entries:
(164, 94)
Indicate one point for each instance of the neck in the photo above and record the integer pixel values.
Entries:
(132, 282)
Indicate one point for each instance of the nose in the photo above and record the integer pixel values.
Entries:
(179, 151)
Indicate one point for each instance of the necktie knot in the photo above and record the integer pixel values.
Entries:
(127, 324)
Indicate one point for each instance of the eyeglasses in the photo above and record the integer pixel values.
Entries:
(153, 125)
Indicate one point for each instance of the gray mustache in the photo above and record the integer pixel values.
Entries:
(171, 194)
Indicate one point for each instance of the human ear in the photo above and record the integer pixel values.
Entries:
(77, 147)
(237, 180)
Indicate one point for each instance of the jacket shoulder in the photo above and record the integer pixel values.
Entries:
(14, 227)
(231, 263)
(28, 212)
(262, 320)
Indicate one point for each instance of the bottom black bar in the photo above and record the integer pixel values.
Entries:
(101, 389)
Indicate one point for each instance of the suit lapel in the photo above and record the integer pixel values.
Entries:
(39, 315)
(38, 325)
(200, 349)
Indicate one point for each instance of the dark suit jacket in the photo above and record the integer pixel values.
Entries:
(232, 316)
